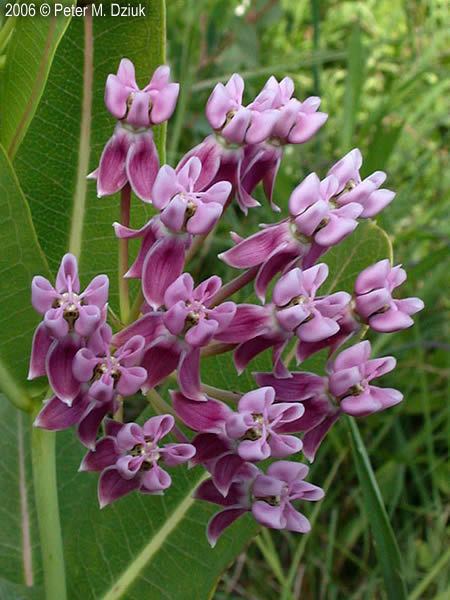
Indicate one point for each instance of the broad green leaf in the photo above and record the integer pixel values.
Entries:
(20, 259)
(19, 545)
(28, 59)
(364, 247)
(140, 547)
(386, 545)
(70, 129)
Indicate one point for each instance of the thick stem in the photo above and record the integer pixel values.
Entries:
(217, 348)
(124, 296)
(46, 499)
(135, 310)
(234, 285)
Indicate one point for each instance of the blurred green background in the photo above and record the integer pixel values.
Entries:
(381, 69)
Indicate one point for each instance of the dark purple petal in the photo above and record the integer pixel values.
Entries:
(104, 455)
(56, 415)
(59, 368)
(39, 350)
(163, 264)
(189, 375)
(142, 165)
(112, 486)
(221, 521)
(207, 416)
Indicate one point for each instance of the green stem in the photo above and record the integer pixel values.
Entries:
(46, 499)
(124, 295)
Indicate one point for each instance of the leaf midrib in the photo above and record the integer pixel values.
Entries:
(131, 573)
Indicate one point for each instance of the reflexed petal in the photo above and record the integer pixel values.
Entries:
(313, 438)
(219, 522)
(112, 486)
(301, 386)
(165, 187)
(249, 321)
(225, 470)
(207, 416)
(142, 165)
(59, 369)
(90, 424)
(254, 250)
(56, 415)
(209, 446)
(159, 361)
(209, 152)
(112, 174)
(104, 455)
(189, 375)
(163, 264)
(246, 351)
(39, 350)
(148, 326)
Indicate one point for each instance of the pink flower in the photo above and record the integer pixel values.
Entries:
(128, 458)
(184, 208)
(374, 302)
(352, 189)
(295, 311)
(66, 311)
(349, 381)
(87, 381)
(269, 497)
(141, 108)
(275, 492)
(317, 221)
(130, 156)
(347, 389)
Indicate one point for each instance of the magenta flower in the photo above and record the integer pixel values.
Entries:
(345, 390)
(128, 458)
(189, 312)
(295, 311)
(66, 310)
(130, 156)
(247, 146)
(349, 381)
(352, 189)
(374, 302)
(235, 503)
(274, 493)
(183, 207)
(87, 382)
(175, 334)
(269, 498)
(108, 374)
(236, 123)
(256, 426)
(317, 221)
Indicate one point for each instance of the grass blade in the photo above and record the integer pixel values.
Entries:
(385, 543)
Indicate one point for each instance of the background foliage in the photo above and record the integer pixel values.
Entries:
(381, 68)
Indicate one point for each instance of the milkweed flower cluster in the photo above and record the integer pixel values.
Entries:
(250, 442)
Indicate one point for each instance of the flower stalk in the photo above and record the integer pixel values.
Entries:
(46, 499)
(124, 295)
